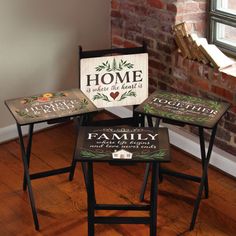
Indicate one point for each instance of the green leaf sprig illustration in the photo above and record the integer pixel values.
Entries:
(130, 93)
(154, 155)
(124, 64)
(101, 96)
(149, 109)
(185, 118)
(83, 104)
(190, 99)
(160, 154)
(104, 66)
(170, 115)
(114, 66)
(173, 116)
(89, 154)
(181, 97)
(215, 105)
(25, 114)
(29, 100)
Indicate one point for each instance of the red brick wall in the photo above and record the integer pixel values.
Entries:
(133, 21)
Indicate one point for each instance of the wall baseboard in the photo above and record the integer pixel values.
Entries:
(190, 143)
(10, 132)
(183, 140)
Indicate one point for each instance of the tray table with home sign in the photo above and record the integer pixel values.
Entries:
(47, 107)
(102, 144)
(179, 109)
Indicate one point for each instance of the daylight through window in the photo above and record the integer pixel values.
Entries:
(222, 25)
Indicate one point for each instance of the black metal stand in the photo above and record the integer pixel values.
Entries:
(25, 153)
(93, 206)
(25, 159)
(147, 170)
(83, 121)
(203, 180)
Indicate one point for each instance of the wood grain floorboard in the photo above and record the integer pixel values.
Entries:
(62, 205)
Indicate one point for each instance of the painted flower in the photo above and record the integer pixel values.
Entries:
(47, 95)
(43, 99)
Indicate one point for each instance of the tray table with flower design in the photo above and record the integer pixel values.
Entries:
(46, 107)
(49, 106)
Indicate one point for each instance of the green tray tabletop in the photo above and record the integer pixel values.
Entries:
(119, 144)
(183, 108)
(49, 106)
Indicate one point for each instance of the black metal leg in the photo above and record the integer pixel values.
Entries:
(137, 118)
(203, 158)
(153, 199)
(28, 151)
(72, 171)
(149, 120)
(147, 170)
(160, 174)
(157, 125)
(142, 120)
(204, 176)
(144, 184)
(85, 173)
(90, 199)
(86, 119)
(77, 122)
(27, 177)
(92, 206)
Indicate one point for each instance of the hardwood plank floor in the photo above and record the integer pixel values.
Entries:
(61, 204)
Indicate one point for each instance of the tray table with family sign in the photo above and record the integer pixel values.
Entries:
(122, 144)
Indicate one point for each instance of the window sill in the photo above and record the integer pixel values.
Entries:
(231, 70)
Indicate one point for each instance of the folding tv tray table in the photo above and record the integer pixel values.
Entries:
(102, 144)
(51, 107)
(181, 110)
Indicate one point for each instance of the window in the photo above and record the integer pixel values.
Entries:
(222, 25)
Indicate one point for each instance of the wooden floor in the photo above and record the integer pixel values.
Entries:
(61, 204)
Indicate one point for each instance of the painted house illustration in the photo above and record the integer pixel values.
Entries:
(122, 154)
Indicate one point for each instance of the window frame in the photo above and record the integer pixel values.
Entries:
(217, 16)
